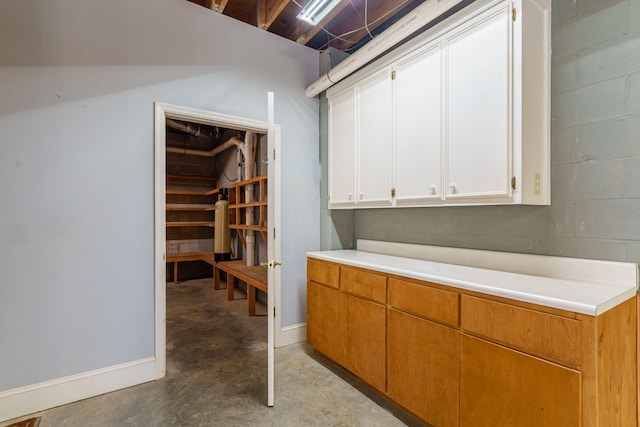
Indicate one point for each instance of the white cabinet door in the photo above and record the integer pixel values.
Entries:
(342, 150)
(374, 140)
(418, 127)
(478, 132)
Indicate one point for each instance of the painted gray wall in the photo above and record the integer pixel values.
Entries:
(595, 209)
(78, 79)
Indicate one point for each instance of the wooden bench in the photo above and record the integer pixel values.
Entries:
(254, 276)
(189, 256)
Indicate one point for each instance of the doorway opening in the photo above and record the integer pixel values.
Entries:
(214, 202)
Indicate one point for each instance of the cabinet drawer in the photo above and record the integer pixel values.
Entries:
(424, 301)
(323, 272)
(364, 284)
(540, 334)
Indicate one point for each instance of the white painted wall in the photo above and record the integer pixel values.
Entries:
(78, 79)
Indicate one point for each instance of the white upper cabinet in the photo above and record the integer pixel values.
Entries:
(342, 150)
(418, 126)
(360, 136)
(478, 140)
(374, 140)
(465, 119)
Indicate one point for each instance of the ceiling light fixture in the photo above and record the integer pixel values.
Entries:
(315, 10)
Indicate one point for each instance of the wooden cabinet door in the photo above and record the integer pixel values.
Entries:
(366, 340)
(423, 368)
(325, 321)
(418, 127)
(342, 149)
(478, 108)
(374, 138)
(503, 387)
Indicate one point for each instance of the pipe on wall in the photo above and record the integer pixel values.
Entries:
(187, 128)
(409, 24)
(231, 142)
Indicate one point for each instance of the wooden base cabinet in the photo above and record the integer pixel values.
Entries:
(366, 340)
(503, 387)
(326, 330)
(458, 358)
(422, 367)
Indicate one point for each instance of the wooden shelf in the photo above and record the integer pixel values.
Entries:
(191, 178)
(193, 193)
(249, 205)
(190, 207)
(248, 227)
(191, 224)
(238, 206)
(176, 258)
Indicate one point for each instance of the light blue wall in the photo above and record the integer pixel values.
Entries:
(595, 177)
(78, 79)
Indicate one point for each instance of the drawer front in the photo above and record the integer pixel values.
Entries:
(364, 284)
(540, 334)
(424, 301)
(323, 272)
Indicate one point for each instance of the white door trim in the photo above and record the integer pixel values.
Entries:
(165, 111)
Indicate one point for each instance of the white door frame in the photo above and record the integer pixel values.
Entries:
(163, 112)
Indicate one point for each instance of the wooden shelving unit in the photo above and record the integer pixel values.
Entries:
(238, 206)
(190, 207)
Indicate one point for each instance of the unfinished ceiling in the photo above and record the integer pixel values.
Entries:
(351, 24)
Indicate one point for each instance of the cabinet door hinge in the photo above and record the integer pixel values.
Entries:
(393, 75)
(274, 154)
(514, 14)
(274, 312)
(513, 182)
(393, 192)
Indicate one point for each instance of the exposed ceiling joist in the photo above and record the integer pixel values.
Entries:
(215, 5)
(269, 12)
(346, 27)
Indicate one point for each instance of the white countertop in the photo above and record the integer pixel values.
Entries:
(580, 296)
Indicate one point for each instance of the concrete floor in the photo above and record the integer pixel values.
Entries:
(216, 376)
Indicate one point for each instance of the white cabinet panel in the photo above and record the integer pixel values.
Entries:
(342, 149)
(478, 137)
(418, 129)
(465, 121)
(374, 140)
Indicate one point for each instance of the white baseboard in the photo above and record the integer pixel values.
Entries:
(292, 334)
(49, 394)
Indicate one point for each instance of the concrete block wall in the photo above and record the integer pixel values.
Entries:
(595, 143)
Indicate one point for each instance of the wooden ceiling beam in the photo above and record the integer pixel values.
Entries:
(269, 12)
(216, 5)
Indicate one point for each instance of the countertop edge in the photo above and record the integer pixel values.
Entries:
(543, 294)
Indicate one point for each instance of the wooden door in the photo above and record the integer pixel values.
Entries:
(366, 340)
(374, 140)
(418, 127)
(423, 368)
(326, 321)
(478, 108)
(342, 149)
(503, 387)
